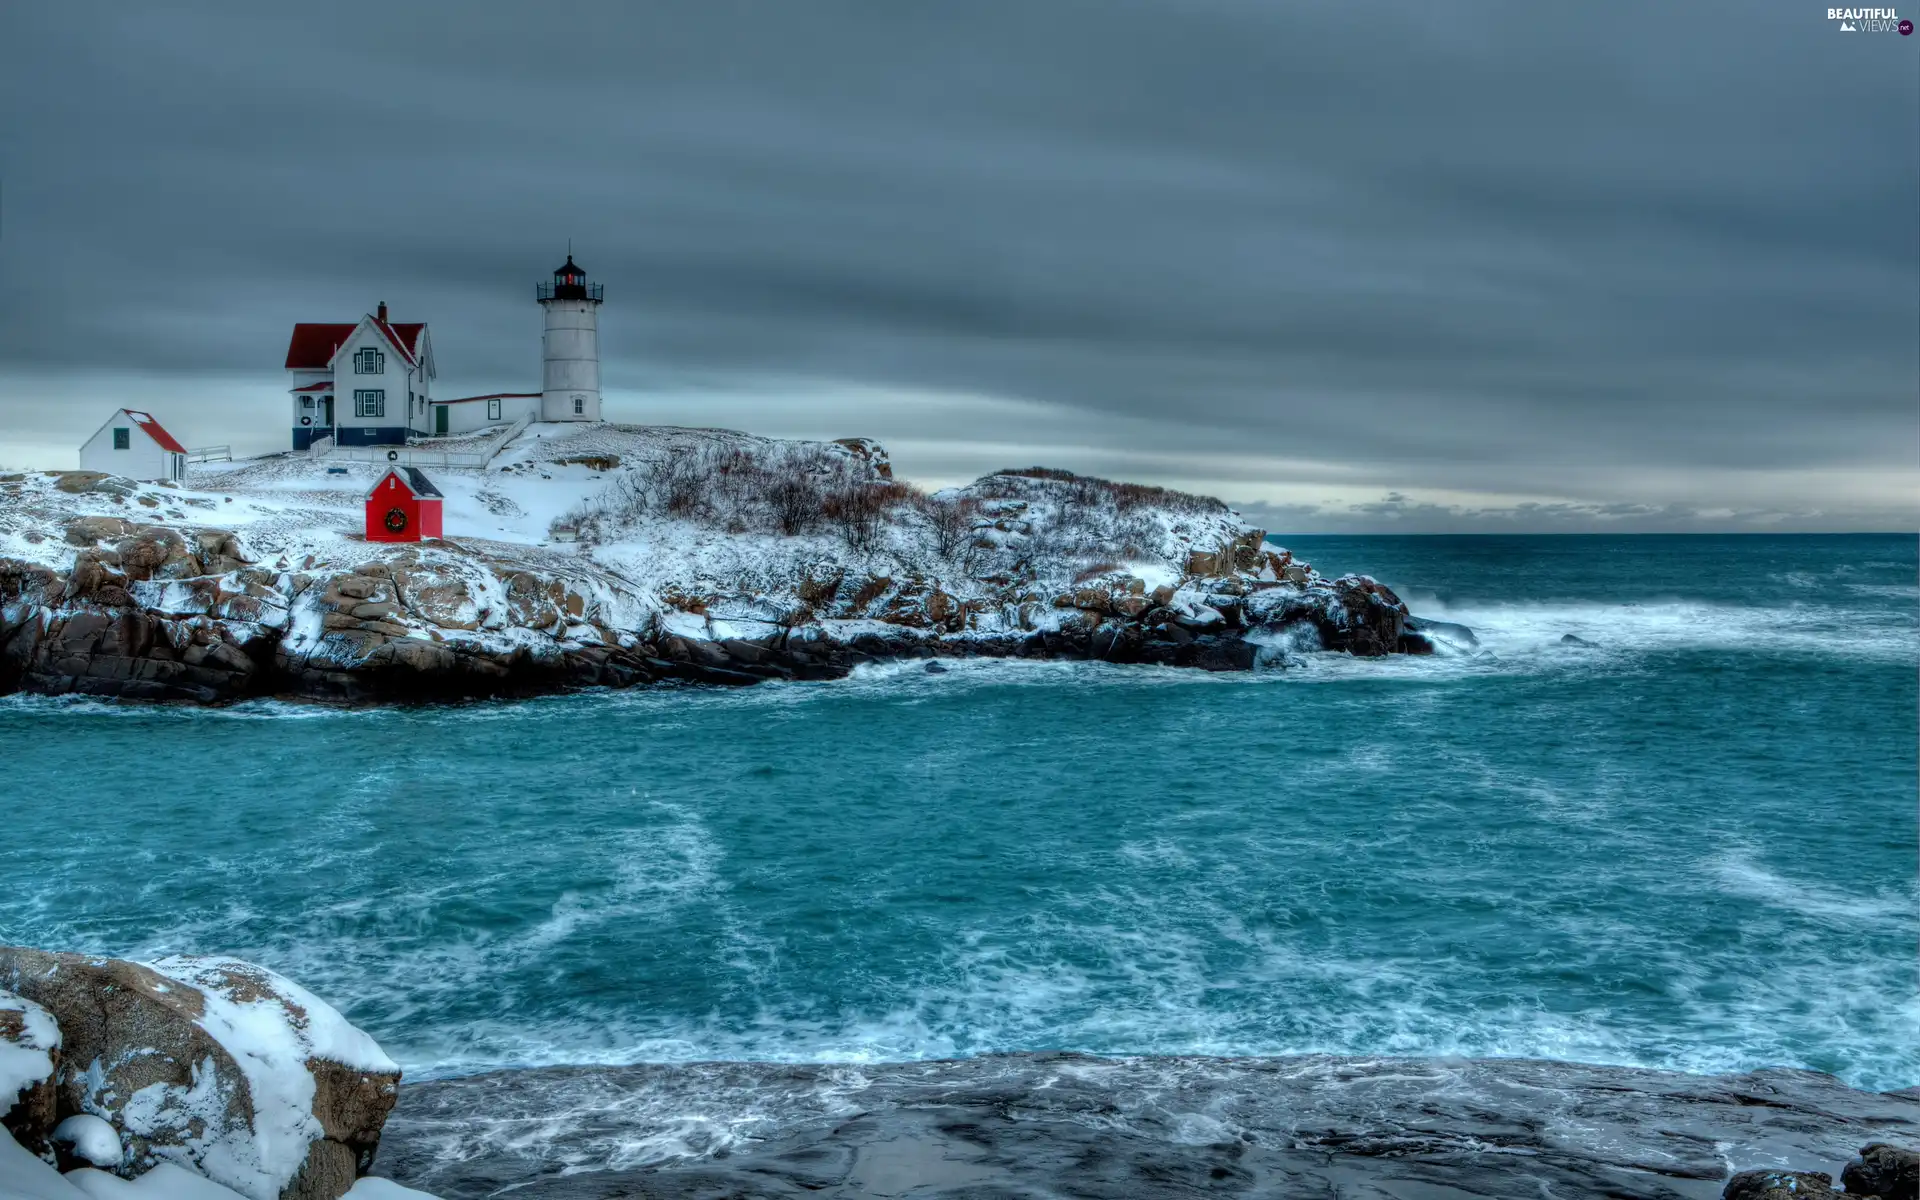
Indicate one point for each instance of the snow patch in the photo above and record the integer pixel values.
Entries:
(90, 1138)
(28, 1059)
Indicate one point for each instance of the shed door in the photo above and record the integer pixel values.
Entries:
(440, 419)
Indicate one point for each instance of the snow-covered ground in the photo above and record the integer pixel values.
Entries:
(677, 527)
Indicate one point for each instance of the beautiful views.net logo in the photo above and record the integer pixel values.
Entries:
(1870, 20)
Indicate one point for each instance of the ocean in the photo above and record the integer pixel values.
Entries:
(1687, 841)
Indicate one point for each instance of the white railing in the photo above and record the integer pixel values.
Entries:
(508, 434)
(211, 454)
(419, 455)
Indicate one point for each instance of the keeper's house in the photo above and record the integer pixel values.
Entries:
(133, 445)
(364, 384)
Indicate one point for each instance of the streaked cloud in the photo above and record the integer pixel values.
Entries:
(1602, 267)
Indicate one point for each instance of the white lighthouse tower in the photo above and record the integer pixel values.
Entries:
(570, 390)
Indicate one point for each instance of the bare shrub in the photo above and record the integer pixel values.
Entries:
(858, 504)
(952, 522)
(1123, 497)
(795, 503)
(678, 483)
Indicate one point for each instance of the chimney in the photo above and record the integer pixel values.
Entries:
(383, 310)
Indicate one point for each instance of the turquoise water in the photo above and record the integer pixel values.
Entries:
(1691, 844)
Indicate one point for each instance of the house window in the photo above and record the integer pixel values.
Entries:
(123, 439)
(579, 405)
(371, 402)
(306, 402)
(493, 410)
(369, 362)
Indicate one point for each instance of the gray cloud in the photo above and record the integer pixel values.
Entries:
(1502, 258)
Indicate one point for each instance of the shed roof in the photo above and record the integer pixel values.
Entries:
(422, 486)
(153, 430)
(411, 478)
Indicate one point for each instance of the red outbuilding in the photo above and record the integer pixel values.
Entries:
(403, 506)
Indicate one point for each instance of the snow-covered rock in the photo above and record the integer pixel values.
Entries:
(211, 1064)
(24, 1177)
(89, 1139)
(29, 1055)
(613, 555)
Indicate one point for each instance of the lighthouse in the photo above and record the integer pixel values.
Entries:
(571, 346)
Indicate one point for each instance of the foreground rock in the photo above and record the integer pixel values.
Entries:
(1891, 1172)
(211, 1064)
(1066, 1125)
(29, 1060)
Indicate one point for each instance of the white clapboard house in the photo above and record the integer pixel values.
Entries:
(134, 445)
(364, 384)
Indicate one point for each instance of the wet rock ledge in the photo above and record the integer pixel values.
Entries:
(1163, 1128)
(201, 1070)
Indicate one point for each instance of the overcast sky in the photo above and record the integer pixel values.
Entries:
(1389, 265)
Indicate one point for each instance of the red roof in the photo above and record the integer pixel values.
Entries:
(405, 338)
(313, 345)
(322, 386)
(152, 427)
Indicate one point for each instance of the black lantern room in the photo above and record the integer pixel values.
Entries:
(569, 283)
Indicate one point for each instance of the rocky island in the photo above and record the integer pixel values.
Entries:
(610, 555)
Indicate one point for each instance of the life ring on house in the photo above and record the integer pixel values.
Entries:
(306, 420)
(396, 520)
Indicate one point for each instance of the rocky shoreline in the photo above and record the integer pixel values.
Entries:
(211, 1078)
(178, 612)
(1066, 1125)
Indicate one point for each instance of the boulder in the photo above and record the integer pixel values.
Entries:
(76, 482)
(942, 609)
(1886, 1171)
(148, 548)
(1206, 562)
(86, 531)
(1781, 1185)
(29, 1058)
(215, 1065)
(872, 452)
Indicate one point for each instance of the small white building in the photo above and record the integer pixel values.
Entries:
(132, 444)
(364, 384)
(470, 414)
